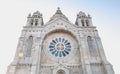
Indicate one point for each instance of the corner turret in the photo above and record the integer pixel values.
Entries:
(35, 20)
(83, 20)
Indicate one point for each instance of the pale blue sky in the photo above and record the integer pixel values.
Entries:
(105, 14)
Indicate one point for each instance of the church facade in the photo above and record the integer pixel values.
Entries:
(59, 47)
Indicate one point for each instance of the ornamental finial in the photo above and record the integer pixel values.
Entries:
(58, 11)
(58, 8)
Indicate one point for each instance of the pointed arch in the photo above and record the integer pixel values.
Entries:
(87, 23)
(60, 71)
(91, 46)
(82, 21)
(29, 44)
(36, 22)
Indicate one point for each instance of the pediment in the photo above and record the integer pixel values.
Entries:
(60, 22)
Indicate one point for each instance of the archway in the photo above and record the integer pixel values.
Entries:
(60, 72)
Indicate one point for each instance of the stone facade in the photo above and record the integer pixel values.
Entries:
(59, 47)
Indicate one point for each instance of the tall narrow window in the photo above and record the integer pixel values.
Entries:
(29, 46)
(82, 21)
(87, 23)
(91, 46)
(36, 22)
(31, 22)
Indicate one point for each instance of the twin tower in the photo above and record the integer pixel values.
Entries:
(59, 47)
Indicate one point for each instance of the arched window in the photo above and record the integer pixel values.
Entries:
(87, 23)
(29, 43)
(31, 22)
(36, 22)
(91, 46)
(82, 21)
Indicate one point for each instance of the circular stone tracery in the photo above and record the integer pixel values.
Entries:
(60, 47)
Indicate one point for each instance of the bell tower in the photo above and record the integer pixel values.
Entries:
(83, 20)
(35, 19)
(59, 47)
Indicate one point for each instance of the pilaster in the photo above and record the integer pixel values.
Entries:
(84, 56)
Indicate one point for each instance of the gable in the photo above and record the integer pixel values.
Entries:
(61, 21)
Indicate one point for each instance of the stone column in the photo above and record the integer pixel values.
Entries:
(39, 55)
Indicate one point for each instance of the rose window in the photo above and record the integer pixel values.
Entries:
(60, 47)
